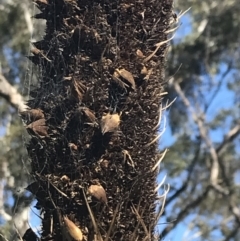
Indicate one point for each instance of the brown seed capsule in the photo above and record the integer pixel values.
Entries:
(104, 163)
(65, 178)
(78, 89)
(73, 230)
(89, 114)
(126, 75)
(140, 54)
(32, 115)
(38, 127)
(110, 123)
(98, 192)
(144, 70)
(116, 78)
(73, 146)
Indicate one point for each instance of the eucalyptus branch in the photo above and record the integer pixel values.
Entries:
(198, 119)
(10, 93)
(184, 211)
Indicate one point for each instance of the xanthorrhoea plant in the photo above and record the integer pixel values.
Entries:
(94, 117)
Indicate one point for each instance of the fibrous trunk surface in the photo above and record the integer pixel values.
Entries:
(94, 117)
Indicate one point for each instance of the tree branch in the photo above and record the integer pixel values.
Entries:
(10, 93)
(182, 214)
(214, 153)
(198, 119)
(233, 233)
(231, 135)
(190, 171)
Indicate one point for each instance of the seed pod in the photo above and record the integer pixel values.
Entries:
(144, 70)
(73, 230)
(116, 78)
(110, 123)
(65, 178)
(89, 114)
(104, 163)
(38, 127)
(125, 75)
(140, 53)
(32, 115)
(72, 146)
(78, 89)
(98, 192)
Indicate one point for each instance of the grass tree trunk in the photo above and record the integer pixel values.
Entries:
(94, 117)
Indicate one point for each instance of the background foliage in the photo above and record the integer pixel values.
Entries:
(202, 163)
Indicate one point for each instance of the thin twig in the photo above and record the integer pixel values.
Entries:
(158, 45)
(203, 132)
(96, 230)
(160, 160)
(141, 221)
(112, 222)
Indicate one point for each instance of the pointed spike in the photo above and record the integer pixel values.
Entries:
(40, 16)
(160, 160)
(30, 235)
(44, 2)
(158, 45)
(160, 184)
(33, 187)
(41, 4)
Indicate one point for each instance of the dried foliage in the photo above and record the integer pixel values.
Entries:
(93, 155)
